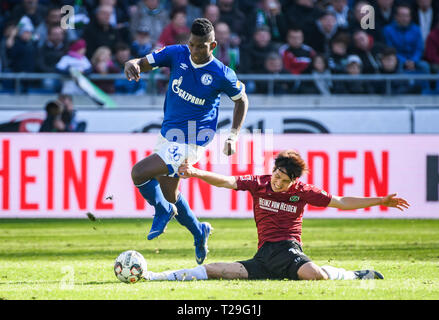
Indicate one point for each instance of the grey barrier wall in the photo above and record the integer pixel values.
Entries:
(283, 114)
(300, 120)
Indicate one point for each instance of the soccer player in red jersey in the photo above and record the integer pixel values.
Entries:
(278, 204)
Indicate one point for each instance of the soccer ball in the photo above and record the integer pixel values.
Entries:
(130, 266)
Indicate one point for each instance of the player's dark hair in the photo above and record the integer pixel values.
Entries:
(201, 27)
(291, 163)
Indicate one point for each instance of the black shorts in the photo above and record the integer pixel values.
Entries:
(276, 260)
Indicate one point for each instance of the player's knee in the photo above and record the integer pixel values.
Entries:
(310, 271)
(135, 174)
(319, 274)
(138, 174)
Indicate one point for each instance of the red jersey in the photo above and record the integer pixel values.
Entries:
(278, 215)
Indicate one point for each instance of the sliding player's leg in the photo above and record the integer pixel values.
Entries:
(342, 274)
(286, 260)
(226, 271)
(144, 175)
(311, 271)
(186, 216)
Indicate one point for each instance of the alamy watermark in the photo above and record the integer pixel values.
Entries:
(68, 280)
(68, 17)
(368, 17)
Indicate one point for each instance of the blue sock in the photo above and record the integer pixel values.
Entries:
(187, 218)
(152, 193)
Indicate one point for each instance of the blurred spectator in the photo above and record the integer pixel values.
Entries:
(119, 18)
(269, 14)
(103, 64)
(30, 8)
(384, 13)
(76, 59)
(182, 38)
(21, 48)
(406, 38)
(296, 56)
(321, 32)
(9, 31)
(99, 31)
(81, 17)
(192, 12)
(367, 50)
(175, 27)
(122, 54)
(49, 54)
(353, 67)
(389, 65)
(425, 16)
(212, 13)
(273, 65)
(225, 51)
(52, 50)
(68, 115)
(319, 85)
(339, 53)
(123, 86)
(355, 22)
(432, 49)
(302, 13)
(152, 16)
(2, 25)
(237, 21)
(340, 9)
(321, 4)
(53, 19)
(245, 5)
(53, 122)
(142, 44)
(200, 3)
(254, 54)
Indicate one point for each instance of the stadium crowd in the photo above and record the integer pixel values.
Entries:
(254, 37)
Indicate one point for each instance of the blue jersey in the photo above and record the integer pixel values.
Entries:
(193, 96)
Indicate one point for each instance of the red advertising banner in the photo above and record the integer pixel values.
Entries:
(68, 175)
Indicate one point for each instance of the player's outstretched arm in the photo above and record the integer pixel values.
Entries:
(239, 113)
(218, 180)
(350, 203)
(134, 67)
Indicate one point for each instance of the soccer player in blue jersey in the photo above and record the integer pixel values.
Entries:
(196, 82)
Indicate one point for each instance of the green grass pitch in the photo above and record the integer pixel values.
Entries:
(73, 259)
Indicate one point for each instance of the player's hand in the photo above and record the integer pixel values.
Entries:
(132, 70)
(186, 170)
(393, 202)
(230, 143)
(229, 147)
